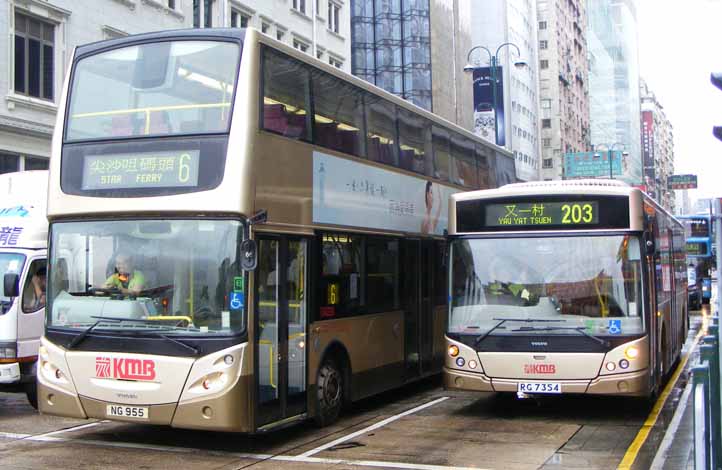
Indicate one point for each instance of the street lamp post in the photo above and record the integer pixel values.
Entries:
(610, 154)
(493, 62)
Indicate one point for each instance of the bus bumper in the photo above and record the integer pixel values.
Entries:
(229, 411)
(629, 384)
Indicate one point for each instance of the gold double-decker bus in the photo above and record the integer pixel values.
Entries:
(561, 287)
(242, 237)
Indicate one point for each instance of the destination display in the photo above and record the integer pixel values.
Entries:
(141, 170)
(542, 213)
(696, 249)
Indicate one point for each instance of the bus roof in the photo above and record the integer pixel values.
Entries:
(580, 186)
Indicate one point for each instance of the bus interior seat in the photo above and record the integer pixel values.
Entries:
(121, 125)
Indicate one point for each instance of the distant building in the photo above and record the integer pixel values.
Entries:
(564, 83)
(495, 22)
(657, 148)
(391, 47)
(614, 107)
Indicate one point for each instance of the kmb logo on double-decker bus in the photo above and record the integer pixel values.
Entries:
(540, 369)
(124, 368)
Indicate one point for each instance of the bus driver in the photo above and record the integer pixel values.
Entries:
(126, 279)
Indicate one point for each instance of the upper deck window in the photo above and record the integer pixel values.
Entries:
(159, 89)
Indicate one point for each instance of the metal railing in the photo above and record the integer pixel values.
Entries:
(706, 399)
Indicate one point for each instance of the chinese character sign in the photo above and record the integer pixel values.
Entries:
(592, 164)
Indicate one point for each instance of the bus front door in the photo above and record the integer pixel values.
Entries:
(417, 295)
(281, 314)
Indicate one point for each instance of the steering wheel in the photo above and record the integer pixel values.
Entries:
(104, 290)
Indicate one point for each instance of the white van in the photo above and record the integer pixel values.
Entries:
(23, 263)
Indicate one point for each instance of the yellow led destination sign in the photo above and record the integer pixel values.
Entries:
(542, 213)
(141, 170)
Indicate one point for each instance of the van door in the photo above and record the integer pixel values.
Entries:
(31, 313)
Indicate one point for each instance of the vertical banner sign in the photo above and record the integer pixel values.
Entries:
(486, 118)
(648, 152)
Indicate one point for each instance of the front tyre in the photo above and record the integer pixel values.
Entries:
(329, 393)
(31, 388)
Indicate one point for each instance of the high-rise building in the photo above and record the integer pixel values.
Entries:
(614, 81)
(391, 47)
(43, 34)
(496, 22)
(563, 83)
(657, 148)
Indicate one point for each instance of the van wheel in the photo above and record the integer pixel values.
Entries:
(329, 393)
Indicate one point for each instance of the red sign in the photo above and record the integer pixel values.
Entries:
(124, 368)
(540, 369)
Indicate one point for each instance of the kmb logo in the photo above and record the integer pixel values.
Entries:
(123, 368)
(540, 369)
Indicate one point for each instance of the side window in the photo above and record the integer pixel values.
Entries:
(414, 143)
(338, 114)
(442, 153)
(286, 96)
(340, 285)
(35, 285)
(381, 131)
(382, 274)
(463, 163)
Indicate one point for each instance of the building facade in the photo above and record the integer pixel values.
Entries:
(416, 49)
(496, 22)
(657, 148)
(38, 37)
(563, 83)
(614, 82)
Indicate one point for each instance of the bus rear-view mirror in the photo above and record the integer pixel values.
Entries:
(11, 285)
(152, 66)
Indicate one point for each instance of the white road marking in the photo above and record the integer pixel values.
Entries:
(371, 428)
(373, 463)
(72, 428)
(14, 435)
(661, 455)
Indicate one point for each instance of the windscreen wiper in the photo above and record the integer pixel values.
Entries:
(580, 329)
(82, 335)
(504, 320)
(196, 351)
(78, 339)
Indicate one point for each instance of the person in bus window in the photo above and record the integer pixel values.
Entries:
(128, 280)
(34, 293)
(428, 225)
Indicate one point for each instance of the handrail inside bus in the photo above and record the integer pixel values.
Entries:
(152, 109)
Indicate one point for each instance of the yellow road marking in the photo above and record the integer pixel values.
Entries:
(631, 455)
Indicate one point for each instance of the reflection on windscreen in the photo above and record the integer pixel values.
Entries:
(182, 275)
(163, 88)
(589, 282)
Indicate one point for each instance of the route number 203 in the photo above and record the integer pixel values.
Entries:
(577, 213)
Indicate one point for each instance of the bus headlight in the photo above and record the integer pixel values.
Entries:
(631, 352)
(610, 366)
(453, 350)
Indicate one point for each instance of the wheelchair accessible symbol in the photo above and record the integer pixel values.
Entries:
(236, 300)
(615, 327)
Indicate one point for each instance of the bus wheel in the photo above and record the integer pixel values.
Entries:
(329, 393)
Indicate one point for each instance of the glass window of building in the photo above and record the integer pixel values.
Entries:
(543, 44)
(9, 163)
(34, 57)
(335, 62)
(265, 27)
(301, 46)
(279, 34)
(546, 123)
(542, 25)
(36, 163)
(300, 6)
(334, 11)
(543, 64)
